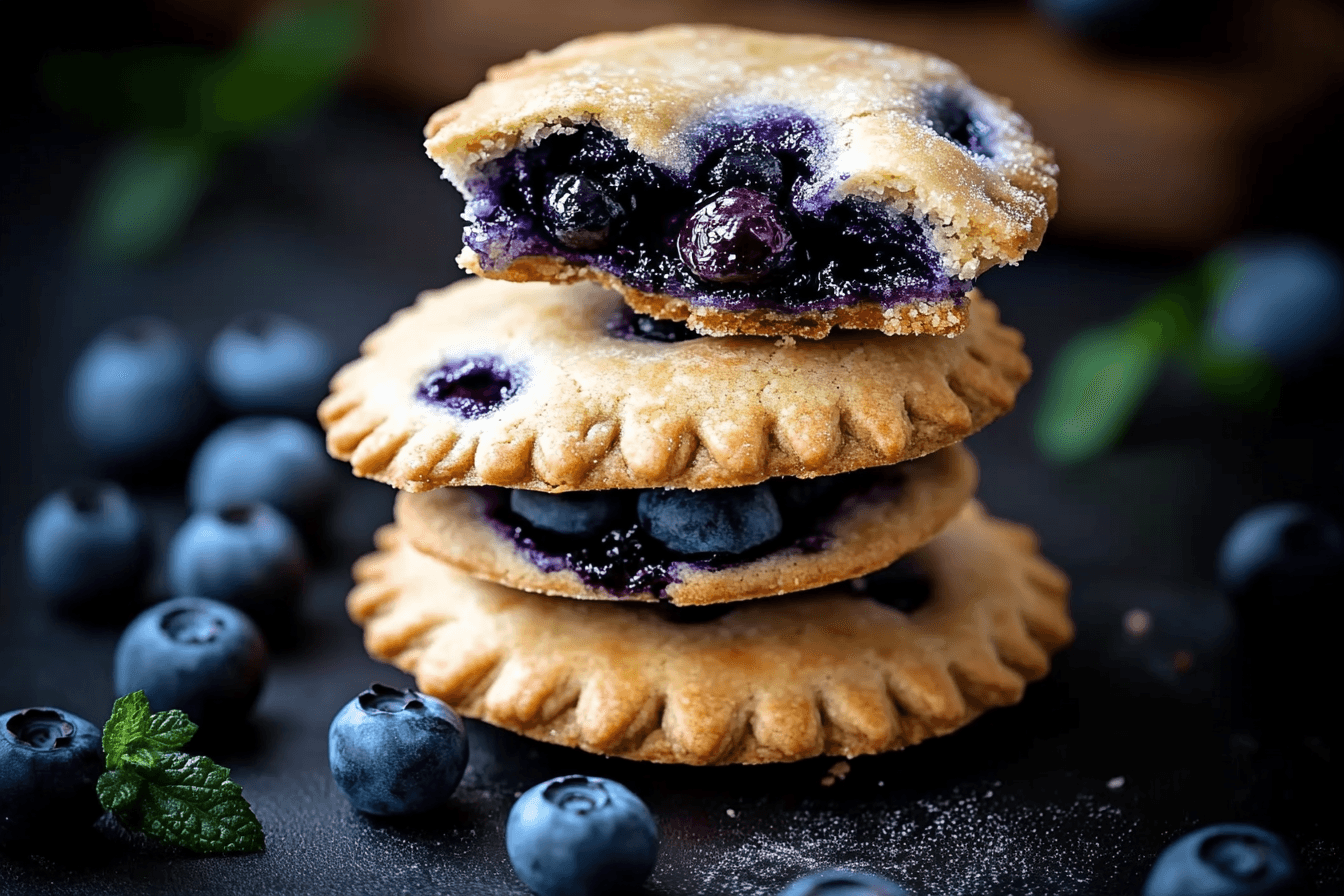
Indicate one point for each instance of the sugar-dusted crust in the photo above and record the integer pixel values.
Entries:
(656, 87)
(600, 412)
(866, 535)
(944, 317)
(771, 681)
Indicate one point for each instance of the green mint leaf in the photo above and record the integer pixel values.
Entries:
(118, 789)
(1095, 386)
(129, 723)
(142, 88)
(190, 801)
(141, 758)
(169, 730)
(144, 195)
(291, 60)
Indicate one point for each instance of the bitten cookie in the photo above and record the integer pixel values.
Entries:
(527, 385)
(793, 534)
(836, 671)
(746, 182)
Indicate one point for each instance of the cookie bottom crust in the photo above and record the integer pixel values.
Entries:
(775, 680)
(917, 317)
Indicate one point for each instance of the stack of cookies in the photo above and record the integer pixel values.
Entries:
(680, 467)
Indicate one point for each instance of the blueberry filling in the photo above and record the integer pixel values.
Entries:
(747, 227)
(950, 117)
(630, 324)
(902, 586)
(381, 698)
(41, 729)
(626, 555)
(471, 387)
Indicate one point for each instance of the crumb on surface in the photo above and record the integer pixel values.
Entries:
(1116, 783)
(732, 813)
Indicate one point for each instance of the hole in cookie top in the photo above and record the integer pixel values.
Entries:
(471, 387)
(630, 324)
(627, 542)
(750, 225)
(950, 116)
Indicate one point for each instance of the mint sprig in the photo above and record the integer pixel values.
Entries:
(179, 798)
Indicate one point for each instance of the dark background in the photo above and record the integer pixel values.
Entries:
(339, 219)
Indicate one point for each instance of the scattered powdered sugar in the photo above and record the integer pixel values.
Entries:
(965, 843)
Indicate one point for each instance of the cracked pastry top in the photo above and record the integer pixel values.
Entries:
(747, 182)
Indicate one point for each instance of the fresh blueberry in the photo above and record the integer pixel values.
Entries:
(747, 165)
(85, 542)
(728, 520)
(1285, 298)
(577, 836)
(569, 513)
(472, 387)
(737, 236)
(200, 656)
(270, 364)
(838, 882)
(1223, 860)
(1281, 551)
(273, 460)
(136, 395)
(50, 760)
(246, 555)
(581, 214)
(395, 752)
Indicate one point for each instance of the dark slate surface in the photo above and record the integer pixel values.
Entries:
(1074, 791)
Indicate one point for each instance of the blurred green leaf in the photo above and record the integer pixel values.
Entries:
(145, 192)
(1236, 375)
(1096, 384)
(287, 62)
(145, 88)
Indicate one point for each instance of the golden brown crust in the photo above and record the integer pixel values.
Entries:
(653, 88)
(770, 681)
(867, 535)
(600, 412)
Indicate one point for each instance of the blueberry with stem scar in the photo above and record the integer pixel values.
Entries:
(580, 213)
(738, 236)
(49, 761)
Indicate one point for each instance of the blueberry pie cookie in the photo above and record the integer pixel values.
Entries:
(746, 182)
(692, 548)
(863, 667)
(559, 388)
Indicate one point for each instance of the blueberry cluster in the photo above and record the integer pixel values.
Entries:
(256, 488)
(743, 229)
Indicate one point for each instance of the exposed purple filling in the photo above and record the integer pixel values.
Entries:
(625, 559)
(750, 226)
(902, 586)
(630, 324)
(472, 387)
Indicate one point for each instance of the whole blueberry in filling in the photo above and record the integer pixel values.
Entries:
(748, 225)
(569, 513)
(580, 212)
(748, 165)
(711, 521)
(739, 235)
(473, 387)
